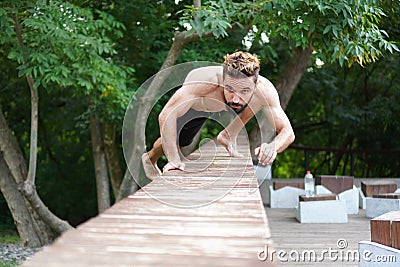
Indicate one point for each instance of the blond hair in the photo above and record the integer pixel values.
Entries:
(241, 62)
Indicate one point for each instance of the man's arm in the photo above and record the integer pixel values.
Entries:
(267, 152)
(176, 107)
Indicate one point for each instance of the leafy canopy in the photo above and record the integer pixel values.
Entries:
(70, 47)
(338, 30)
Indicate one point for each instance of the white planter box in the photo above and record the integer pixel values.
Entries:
(285, 197)
(378, 206)
(326, 211)
(349, 196)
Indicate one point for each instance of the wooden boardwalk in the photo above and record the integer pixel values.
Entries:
(295, 239)
(210, 215)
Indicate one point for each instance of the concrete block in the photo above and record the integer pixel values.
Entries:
(378, 206)
(373, 254)
(328, 211)
(349, 196)
(263, 173)
(286, 197)
(362, 199)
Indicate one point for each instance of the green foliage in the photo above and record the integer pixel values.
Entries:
(213, 17)
(343, 31)
(70, 47)
(9, 263)
(9, 238)
(355, 108)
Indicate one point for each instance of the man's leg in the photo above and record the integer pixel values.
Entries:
(156, 152)
(150, 159)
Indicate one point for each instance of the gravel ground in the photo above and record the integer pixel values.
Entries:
(17, 252)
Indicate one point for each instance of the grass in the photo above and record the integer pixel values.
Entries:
(9, 236)
(8, 263)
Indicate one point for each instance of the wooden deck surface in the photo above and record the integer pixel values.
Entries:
(294, 238)
(211, 215)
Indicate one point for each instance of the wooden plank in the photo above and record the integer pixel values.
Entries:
(280, 184)
(380, 232)
(209, 215)
(387, 195)
(320, 197)
(292, 237)
(396, 233)
(385, 229)
(370, 188)
(335, 184)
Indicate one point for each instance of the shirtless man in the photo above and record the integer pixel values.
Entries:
(236, 85)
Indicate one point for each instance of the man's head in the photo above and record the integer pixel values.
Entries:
(240, 74)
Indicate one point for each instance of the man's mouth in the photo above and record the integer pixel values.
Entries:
(235, 105)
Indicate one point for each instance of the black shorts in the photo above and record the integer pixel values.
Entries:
(189, 125)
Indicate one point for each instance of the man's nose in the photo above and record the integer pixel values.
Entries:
(235, 98)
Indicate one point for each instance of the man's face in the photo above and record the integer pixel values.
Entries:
(238, 92)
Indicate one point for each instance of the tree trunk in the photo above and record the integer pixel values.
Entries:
(16, 164)
(128, 186)
(100, 165)
(27, 187)
(292, 74)
(113, 163)
(55, 223)
(17, 205)
(144, 107)
(12, 152)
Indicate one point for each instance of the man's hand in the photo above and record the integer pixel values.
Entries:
(174, 166)
(229, 145)
(266, 153)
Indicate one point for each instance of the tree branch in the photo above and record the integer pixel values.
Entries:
(34, 107)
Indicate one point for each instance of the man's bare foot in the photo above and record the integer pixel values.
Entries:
(151, 170)
(229, 145)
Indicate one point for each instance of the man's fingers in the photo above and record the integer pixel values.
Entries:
(169, 166)
(268, 158)
(265, 154)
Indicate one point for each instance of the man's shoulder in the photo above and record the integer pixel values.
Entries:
(265, 83)
(266, 92)
(206, 74)
(265, 86)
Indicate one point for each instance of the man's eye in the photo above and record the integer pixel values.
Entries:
(245, 91)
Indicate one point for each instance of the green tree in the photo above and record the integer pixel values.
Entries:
(354, 108)
(58, 45)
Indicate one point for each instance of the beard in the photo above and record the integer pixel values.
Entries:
(237, 107)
